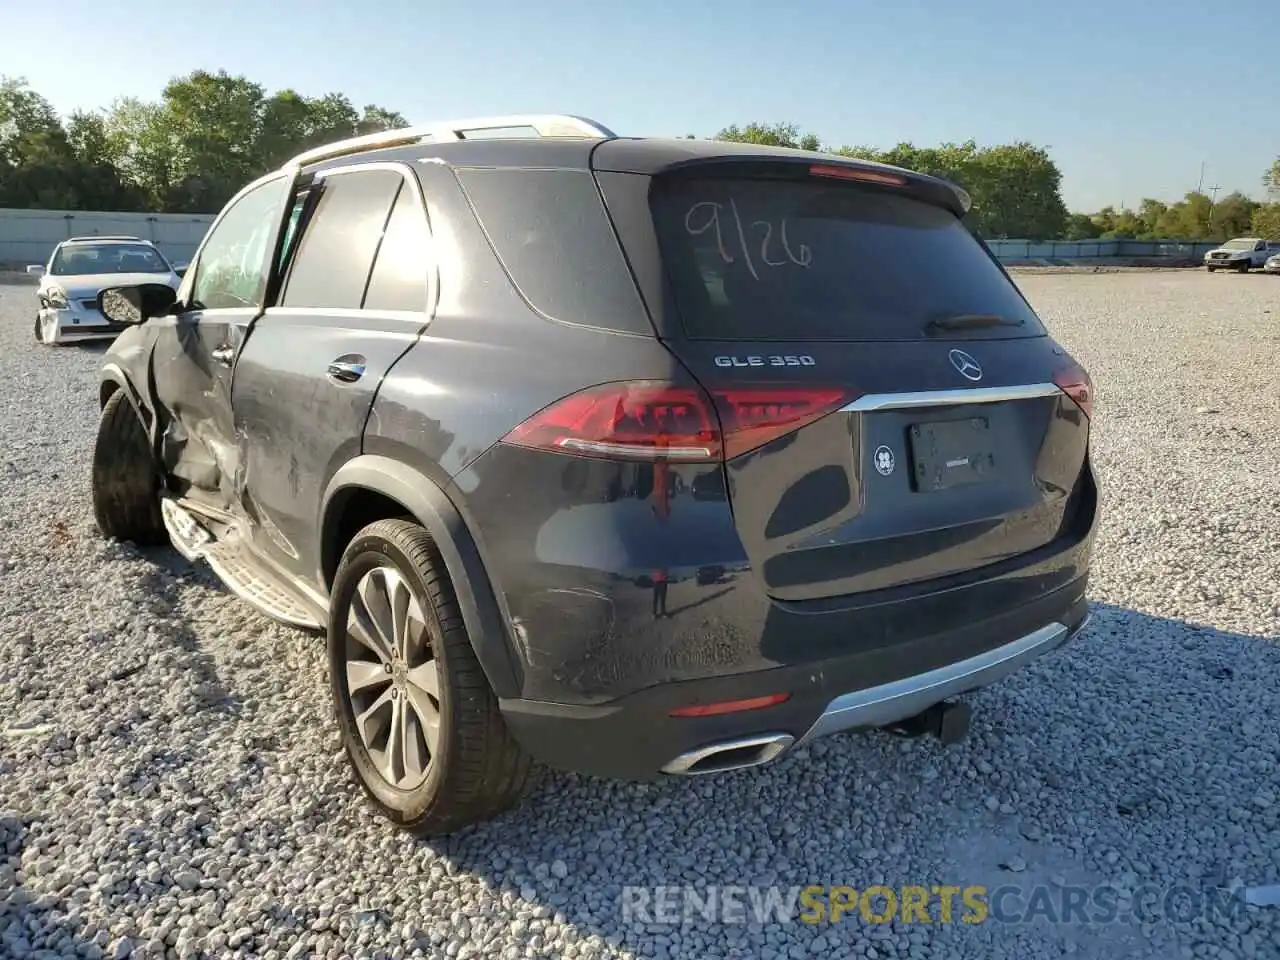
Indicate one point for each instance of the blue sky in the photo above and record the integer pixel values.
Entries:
(1130, 97)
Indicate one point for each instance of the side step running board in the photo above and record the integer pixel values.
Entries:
(236, 565)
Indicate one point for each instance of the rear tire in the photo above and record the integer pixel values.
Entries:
(126, 485)
(404, 676)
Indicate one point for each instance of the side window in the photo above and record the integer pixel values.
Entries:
(232, 269)
(336, 251)
(399, 278)
(1261, 246)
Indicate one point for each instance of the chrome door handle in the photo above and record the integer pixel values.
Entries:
(224, 354)
(347, 369)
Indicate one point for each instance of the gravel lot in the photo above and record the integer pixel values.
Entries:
(171, 784)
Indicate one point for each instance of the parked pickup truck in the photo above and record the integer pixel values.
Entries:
(1241, 254)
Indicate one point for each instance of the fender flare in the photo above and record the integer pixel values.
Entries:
(482, 612)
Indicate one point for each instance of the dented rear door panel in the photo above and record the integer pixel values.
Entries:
(297, 422)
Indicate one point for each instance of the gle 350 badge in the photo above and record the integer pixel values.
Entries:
(783, 361)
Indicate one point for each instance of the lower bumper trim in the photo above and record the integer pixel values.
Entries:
(891, 702)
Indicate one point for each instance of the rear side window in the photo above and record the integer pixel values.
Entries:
(337, 247)
(550, 230)
(399, 278)
(756, 259)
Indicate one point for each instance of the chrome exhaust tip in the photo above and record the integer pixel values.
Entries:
(730, 755)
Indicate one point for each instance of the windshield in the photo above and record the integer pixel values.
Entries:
(1239, 244)
(756, 259)
(82, 259)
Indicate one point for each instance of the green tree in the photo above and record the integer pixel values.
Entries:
(1271, 179)
(1266, 221)
(771, 135)
(1081, 226)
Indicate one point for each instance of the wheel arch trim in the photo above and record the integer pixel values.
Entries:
(482, 611)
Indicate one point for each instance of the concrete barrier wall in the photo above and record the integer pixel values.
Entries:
(29, 236)
(1095, 249)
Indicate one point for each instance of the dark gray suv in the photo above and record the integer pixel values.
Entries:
(632, 457)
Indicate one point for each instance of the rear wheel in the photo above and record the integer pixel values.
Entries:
(419, 722)
(126, 485)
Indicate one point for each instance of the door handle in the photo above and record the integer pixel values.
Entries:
(224, 354)
(347, 369)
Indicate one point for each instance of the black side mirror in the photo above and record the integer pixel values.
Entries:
(137, 304)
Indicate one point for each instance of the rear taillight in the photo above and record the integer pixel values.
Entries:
(651, 420)
(1074, 381)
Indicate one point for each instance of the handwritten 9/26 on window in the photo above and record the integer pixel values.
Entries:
(735, 238)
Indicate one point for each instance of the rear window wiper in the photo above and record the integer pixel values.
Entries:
(970, 321)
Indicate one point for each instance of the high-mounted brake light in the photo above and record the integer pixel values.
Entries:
(853, 173)
(653, 420)
(1073, 380)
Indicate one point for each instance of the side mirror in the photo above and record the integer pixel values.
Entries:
(180, 268)
(36, 270)
(133, 305)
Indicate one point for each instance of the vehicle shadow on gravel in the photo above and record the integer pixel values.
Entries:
(1075, 773)
(161, 583)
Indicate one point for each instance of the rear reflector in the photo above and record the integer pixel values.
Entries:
(730, 706)
(1074, 381)
(653, 420)
(853, 173)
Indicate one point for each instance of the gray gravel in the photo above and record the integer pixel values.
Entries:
(170, 782)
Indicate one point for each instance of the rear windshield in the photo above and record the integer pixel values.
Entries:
(755, 259)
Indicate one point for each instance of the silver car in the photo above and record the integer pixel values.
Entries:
(78, 270)
(1272, 265)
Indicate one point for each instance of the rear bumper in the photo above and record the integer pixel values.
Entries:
(635, 737)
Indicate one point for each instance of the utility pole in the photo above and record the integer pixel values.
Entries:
(1200, 185)
(1213, 199)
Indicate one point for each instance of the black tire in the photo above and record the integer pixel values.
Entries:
(1244, 266)
(477, 769)
(126, 484)
(1211, 269)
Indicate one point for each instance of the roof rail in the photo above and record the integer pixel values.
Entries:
(543, 125)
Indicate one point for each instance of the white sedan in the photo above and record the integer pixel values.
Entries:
(78, 270)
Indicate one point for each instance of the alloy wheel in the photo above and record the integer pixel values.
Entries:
(391, 678)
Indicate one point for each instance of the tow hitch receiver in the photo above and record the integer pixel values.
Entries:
(948, 721)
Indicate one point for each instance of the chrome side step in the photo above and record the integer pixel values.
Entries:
(235, 564)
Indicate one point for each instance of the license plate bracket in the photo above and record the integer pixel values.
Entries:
(951, 453)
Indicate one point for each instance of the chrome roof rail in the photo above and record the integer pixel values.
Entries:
(542, 124)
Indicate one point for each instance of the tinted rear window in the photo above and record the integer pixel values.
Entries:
(805, 260)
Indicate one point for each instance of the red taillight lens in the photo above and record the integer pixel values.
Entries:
(648, 420)
(1074, 381)
(854, 173)
(731, 706)
(750, 418)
